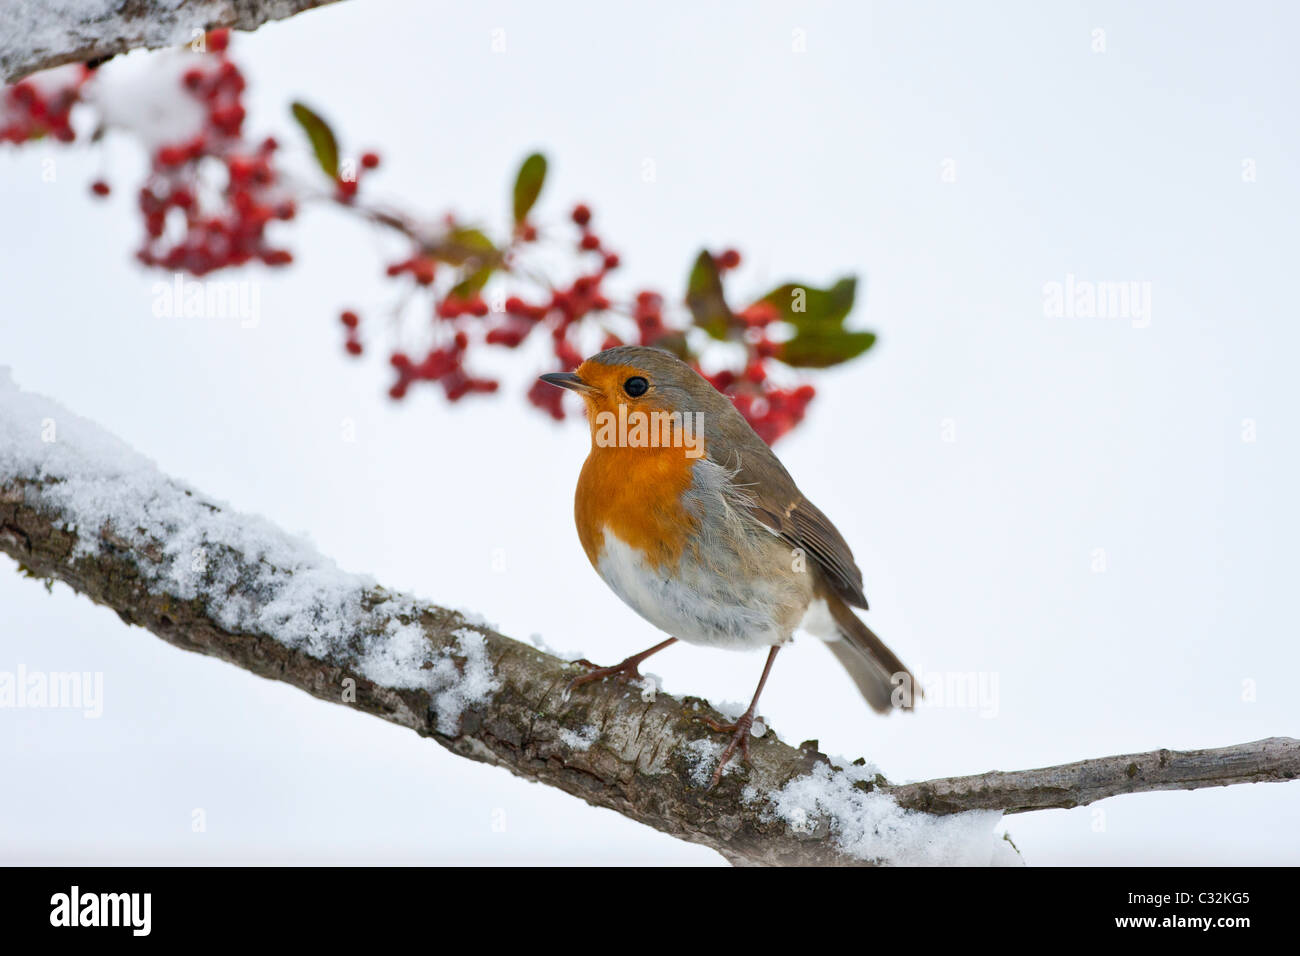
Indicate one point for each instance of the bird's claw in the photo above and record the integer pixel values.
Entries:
(625, 671)
(739, 731)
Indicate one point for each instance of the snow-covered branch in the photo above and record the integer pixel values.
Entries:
(35, 34)
(78, 506)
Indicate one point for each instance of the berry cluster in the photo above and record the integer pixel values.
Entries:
(565, 312)
(772, 410)
(232, 229)
(456, 305)
(42, 105)
(197, 223)
(444, 365)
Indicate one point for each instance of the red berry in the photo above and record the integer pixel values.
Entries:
(423, 270)
(590, 242)
(218, 40)
(100, 188)
(349, 318)
(369, 160)
(729, 259)
(611, 261)
(353, 347)
(581, 214)
(170, 156)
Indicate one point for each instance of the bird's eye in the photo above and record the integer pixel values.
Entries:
(636, 386)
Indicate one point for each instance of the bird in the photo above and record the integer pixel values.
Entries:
(692, 520)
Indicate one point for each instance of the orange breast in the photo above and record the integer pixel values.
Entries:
(637, 494)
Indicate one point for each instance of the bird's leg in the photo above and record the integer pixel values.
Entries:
(740, 729)
(626, 671)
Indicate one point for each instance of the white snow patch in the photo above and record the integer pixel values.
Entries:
(872, 826)
(539, 642)
(478, 620)
(456, 688)
(730, 709)
(702, 758)
(144, 95)
(252, 576)
(580, 740)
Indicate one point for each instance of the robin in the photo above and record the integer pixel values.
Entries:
(690, 518)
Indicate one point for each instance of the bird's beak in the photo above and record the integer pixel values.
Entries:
(566, 380)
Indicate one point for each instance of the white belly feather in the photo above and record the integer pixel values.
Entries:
(697, 606)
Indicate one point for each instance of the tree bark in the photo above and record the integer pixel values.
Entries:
(1087, 781)
(36, 39)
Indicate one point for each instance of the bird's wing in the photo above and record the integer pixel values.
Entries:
(777, 502)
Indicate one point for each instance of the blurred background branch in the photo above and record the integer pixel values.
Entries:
(36, 38)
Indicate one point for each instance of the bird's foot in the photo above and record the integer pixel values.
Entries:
(625, 671)
(740, 732)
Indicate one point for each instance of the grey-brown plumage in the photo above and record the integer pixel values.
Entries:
(773, 500)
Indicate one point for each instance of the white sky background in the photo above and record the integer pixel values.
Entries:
(1071, 434)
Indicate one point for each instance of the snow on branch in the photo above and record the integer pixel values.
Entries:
(37, 34)
(79, 506)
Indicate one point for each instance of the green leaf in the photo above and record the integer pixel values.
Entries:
(472, 284)
(528, 185)
(806, 307)
(705, 299)
(824, 348)
(467, 245)
(323, 143)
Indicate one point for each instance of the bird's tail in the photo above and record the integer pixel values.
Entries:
(880, 675)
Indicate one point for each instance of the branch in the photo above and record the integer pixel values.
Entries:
(1274, 759)
(37, 38)
(78, 506)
